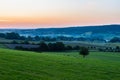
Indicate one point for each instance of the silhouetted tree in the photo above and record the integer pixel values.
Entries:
(84, 51)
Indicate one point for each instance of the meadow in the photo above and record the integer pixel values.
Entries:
(25, 65)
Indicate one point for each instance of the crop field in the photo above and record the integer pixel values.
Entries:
(25, 65)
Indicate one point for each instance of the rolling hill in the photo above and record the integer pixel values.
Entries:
(104, 31)
(23, 65)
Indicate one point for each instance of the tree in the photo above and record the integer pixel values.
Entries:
(117, 49)
(12, 35)
(2, 35)
(22, 38)
(36, 38)
(84, 51)
(59, 46)
(14, 42)
(29, 38)
(115, 39)
(51, 46)
(43, 46)
(25, 42)
(76, 47)
(69, 48)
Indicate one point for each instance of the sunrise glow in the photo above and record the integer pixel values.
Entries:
(58, 13)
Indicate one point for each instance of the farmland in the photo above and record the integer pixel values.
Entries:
(25, 65)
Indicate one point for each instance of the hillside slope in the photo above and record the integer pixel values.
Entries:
(23, 65)
(100, 31)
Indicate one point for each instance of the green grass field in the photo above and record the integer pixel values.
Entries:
(23, 65)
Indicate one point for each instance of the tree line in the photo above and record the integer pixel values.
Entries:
(56, 46)
(115, 40)
(110, 49)
(16, 36)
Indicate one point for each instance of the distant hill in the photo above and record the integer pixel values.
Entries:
(104, 31)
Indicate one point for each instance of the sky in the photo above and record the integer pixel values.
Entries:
(58, 13)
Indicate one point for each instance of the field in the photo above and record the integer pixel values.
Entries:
(24, 65)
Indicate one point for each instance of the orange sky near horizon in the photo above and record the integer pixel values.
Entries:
(58, 13)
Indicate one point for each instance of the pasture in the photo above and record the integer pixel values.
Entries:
(25, 65)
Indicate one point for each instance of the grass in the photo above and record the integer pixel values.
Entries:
(24, 65)
(108, 56)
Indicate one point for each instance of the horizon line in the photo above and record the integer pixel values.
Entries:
(65, 26)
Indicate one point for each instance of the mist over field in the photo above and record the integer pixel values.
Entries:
(105, 32)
